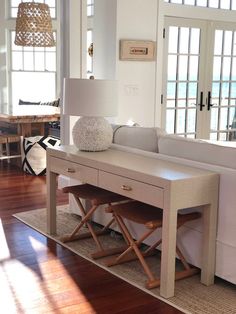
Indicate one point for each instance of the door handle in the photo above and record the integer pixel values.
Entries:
(209, 105)
(201, 101)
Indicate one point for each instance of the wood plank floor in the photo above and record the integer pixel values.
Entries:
(39, 276)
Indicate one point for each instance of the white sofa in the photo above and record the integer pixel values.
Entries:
(221, 158)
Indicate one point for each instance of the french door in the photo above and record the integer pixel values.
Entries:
(199, 90)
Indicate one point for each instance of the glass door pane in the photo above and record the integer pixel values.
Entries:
(223, 97)
(200, 81)
(183, 48)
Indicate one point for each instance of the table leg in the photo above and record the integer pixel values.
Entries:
(51, 201)
(39, 127)
(209, 243)
(24, 129)
(168, 253)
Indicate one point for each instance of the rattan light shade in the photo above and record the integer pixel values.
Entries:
(34, 25)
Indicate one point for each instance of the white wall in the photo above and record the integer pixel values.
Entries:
(127, 19)
(104, 38)
(73, 40)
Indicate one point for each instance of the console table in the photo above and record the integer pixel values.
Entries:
(164, 184)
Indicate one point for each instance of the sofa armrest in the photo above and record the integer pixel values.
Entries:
(137, 137)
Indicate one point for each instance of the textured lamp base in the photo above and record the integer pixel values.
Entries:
(92, 134)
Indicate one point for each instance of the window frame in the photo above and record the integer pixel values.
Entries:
(207, 6)
(89, 28)
(9, 7)
(90, 4)
(9, 26)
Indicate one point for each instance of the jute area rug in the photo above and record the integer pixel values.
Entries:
(190, 295)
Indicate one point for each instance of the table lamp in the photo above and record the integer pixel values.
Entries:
(92, 100)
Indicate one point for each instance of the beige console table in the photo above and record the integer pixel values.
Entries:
(26, 123)
(167, 185)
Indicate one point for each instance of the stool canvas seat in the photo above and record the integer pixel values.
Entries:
(97, 196)
(151, 218)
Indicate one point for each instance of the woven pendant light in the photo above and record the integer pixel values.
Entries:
(34, 25)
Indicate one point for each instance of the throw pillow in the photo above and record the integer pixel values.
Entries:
(54, 103)
(34, 153)
(28, 103)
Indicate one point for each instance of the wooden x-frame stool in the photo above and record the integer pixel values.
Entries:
(97, 197)
(151, 218)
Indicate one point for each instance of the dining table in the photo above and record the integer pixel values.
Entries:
(27, 125)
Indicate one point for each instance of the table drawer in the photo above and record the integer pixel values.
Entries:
(137, 190)
(73, 170)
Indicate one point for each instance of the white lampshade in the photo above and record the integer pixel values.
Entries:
(92, 100)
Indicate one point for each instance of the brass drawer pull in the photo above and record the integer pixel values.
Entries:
(126, 187)
(70, 170)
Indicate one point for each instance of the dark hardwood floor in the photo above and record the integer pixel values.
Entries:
(39, 276)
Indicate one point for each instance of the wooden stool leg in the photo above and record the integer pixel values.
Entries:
(134, 247)
(92, 233)
(105, 229)
(124, 257)
(178, 276)
(152, 248)
(85, 219)
(112, 251)
(181, 257)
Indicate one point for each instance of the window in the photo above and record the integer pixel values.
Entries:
(224, 85)
(32, 72)
(90, 13)
(182, 80)
(218, 4)
(89, 56)
(14, 7)
(90, 7)
(199, 82)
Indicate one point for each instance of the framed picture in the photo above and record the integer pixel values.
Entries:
(137, 50)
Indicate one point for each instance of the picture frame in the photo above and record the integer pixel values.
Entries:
(137, 50)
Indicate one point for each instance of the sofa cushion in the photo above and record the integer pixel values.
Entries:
(137, 137)
(221, 154)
